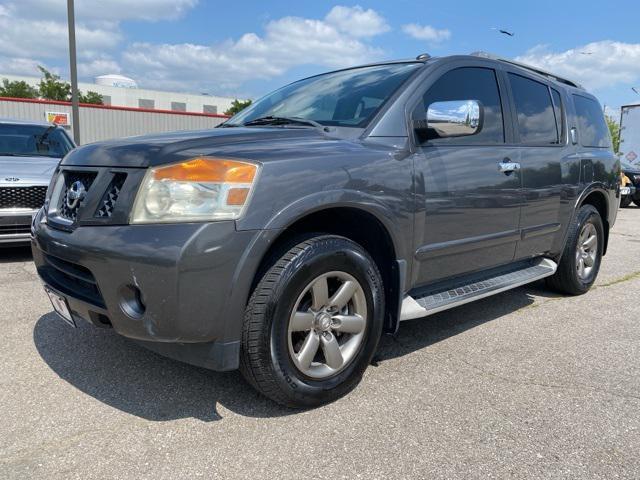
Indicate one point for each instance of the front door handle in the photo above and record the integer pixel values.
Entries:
(507, 166)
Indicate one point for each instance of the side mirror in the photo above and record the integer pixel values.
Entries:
(456, 118)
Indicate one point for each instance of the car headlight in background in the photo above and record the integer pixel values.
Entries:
(197, 190)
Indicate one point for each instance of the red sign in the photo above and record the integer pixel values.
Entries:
(59, 118)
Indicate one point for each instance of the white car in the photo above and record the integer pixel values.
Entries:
(29, 154)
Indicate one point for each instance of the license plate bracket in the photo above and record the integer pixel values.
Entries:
(61, 307)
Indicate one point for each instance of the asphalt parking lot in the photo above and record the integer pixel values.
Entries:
(524, 384)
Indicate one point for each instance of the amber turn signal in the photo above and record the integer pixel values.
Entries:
(208, 169)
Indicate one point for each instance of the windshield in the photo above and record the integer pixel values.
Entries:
(33, 141)
(349, 98)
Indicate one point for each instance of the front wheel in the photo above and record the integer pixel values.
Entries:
(580, 262)
(313, 322)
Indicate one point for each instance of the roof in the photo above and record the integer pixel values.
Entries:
(531, 68)
(425, 58)
(15, 121)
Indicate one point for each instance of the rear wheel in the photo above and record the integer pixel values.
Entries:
(636, 199)
(582, 254)
(313, 322)
(625, 201)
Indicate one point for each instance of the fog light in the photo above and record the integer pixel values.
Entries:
(131, 301)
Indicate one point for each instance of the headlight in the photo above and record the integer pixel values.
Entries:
(200, 189)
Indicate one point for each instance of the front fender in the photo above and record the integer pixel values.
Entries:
(265, 237)
(342, 199)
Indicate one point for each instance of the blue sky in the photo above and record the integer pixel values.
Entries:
(246, 48)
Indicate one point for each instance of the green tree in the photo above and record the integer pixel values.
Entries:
(18, 89)
(614, 129)
(91, 97)
(237, 105)
(52, 88)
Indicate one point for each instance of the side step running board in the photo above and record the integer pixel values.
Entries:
(439, 301)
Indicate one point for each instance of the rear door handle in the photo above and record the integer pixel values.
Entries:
(507, 166)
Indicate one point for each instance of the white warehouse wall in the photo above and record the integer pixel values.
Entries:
(129, 97)
(104, 123)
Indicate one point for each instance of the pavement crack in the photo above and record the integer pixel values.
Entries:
(569, 386)
(624, 234)
(626, 278)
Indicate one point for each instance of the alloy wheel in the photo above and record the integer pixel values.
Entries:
(586, 251)
(327, 325)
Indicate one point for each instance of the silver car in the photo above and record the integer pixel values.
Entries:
(29, 154)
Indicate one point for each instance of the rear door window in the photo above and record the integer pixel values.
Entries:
(559, 111)
(591, 125)
(535, 113)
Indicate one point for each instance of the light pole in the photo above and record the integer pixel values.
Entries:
(75, 109)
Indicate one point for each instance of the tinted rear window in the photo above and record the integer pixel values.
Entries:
(536, 118)
(591, 125)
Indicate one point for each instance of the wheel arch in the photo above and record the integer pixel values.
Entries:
(359, 224)
(598, 198)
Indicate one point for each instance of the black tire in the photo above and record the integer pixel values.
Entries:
(636, 199)
(566, 279)
(625, 201)
(265, 361)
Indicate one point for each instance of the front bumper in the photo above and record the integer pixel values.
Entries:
(192, 279)
(15, 225)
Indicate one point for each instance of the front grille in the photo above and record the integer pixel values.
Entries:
(92, 196)
(86, 179)
(14, 229)
(110, 197)
(22, 197)
(72, 279)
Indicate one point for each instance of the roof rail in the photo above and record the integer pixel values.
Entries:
(537, 70)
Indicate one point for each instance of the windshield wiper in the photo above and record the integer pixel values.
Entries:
(45, 134)
(227, 125)
(271, 120)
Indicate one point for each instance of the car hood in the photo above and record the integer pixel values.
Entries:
(260, 144)
(27, 170)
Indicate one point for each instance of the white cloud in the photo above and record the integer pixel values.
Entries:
(48, 39)
(287, 42)
(612, 112)
(596, 65)
(32, 31)
(356, 21)
(101, 10)
(19, 66)
(426, 32)
(98, 66)
(35, 31)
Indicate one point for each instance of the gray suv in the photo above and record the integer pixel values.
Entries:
(29, 154)
(285, 242)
